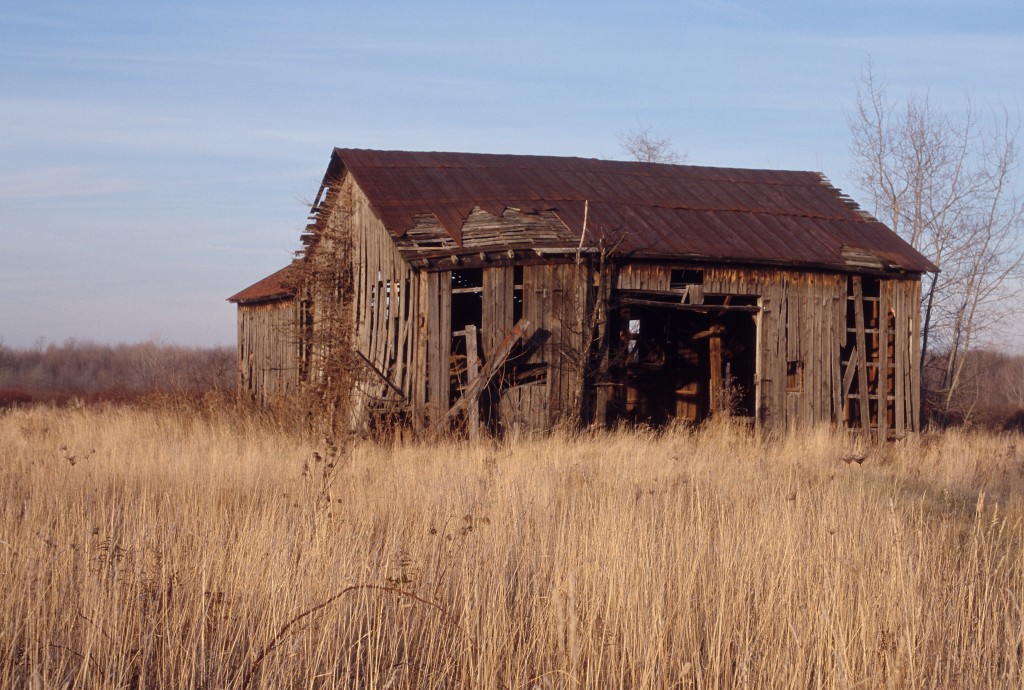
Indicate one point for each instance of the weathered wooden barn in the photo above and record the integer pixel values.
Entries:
(268, 355)
(520, 292)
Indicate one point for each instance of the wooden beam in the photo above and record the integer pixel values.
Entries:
(380, 375)
(472, 371)
(715, 385)
(715, 331)
(702, 308)
(474, 389)
(862, 361)
(851, 370)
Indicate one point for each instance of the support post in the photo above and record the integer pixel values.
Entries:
(472, 372)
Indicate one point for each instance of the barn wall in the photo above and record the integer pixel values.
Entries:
(553, 302)
(542, 384)
(387, 308)
(267, 350)
(831, 348)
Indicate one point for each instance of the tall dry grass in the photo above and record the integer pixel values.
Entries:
(146, 548)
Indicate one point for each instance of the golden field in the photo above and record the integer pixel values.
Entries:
(164, 548)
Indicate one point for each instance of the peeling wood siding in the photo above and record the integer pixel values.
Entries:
(268, 350)
(387, 305)
(486, 232)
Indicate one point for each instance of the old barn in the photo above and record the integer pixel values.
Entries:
(513, 292)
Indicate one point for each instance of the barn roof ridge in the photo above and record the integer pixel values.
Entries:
(638, 166)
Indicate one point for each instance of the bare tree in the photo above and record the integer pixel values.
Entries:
(945, 184)
(645, 146)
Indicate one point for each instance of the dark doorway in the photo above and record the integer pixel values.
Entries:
(674, 363)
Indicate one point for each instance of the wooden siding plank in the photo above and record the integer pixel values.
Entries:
(836, 338)
(900, 356)
(437, 367)
(780, 362)
(884, 299)
(914, 312)
(472, 371)
(862, 373)
(445, 324)
(498, 304)
(421, 381)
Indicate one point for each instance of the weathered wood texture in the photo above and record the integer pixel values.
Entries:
(827, 349)
(268, 350)
(498, 306)
(808, 324)
(496, 230)
(383, 308)
(385, 299)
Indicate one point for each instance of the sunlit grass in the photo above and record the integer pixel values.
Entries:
(148, 548)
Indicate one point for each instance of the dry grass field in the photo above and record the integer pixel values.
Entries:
(169, 549)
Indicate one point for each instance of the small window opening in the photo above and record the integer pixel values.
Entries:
(681, 277)
(794, 376)
(517, 294)
(466, 310)
(632, 339)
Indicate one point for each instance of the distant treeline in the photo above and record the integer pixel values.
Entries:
(92, 371)
(990, 395)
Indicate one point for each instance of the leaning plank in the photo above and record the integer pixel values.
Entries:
(851, 369)
(380, 375)
(862, 366)
(474, 389)
(472, 371)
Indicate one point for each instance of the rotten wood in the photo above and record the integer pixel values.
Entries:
(491, 368)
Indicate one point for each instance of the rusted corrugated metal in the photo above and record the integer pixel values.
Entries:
(646, 210)
(273, 287)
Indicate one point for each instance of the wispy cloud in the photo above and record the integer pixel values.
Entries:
(140, 127)
(62, 181)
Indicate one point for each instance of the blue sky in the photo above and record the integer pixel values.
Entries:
(156, 157)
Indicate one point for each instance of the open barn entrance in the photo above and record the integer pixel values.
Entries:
(683, 362)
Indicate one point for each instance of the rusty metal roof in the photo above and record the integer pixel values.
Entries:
(647, 210)
(273, 287)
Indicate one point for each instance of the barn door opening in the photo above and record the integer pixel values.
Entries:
(466, 320)
(680, 362)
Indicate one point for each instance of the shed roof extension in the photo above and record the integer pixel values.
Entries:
(271, 288)
(646, 210)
